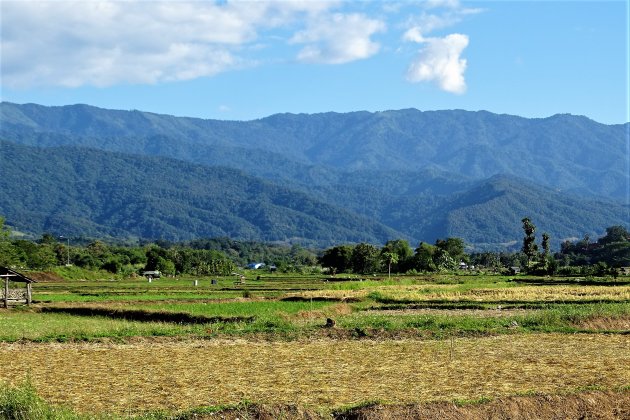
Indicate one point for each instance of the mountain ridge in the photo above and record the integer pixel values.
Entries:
(418, 175)
(561, 151)
(82, 192)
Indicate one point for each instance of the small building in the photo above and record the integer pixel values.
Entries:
(515, 270)
(10, 292)
(152, 274)
(255, 266)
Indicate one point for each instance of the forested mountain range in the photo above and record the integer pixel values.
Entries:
(318, 179)
(570, 153)
(86, 192)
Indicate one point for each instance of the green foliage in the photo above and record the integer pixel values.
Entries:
(615, 234)
(529, 247)
(9, 255)
(612, 250)
(401, 258)
(40, 256)
(22, 403)
(309, 179)
(423, 259)
(365, 259)
(338, 258)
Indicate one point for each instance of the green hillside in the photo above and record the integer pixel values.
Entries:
(571, 153)
(91, 193)
(315, 179)
(84, 192)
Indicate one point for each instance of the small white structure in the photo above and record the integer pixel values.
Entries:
(255, 266)
(150, 275)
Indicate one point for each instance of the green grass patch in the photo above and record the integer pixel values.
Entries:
(22, 403)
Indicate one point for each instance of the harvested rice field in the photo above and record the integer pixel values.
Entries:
(184, 375)
(313, 347)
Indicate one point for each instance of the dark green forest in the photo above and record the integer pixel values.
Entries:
(313, 180)
(223, 256)
(564, 152)
(89, 193)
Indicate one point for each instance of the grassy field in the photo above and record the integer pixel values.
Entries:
(129, 347)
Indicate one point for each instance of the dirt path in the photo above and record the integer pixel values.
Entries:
(186, 374)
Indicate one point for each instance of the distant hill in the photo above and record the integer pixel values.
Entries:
(317, 179)
(85, 192)
(92, 193)
(566, 152)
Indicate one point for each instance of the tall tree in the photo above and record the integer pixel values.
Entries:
(529, 241)
(365, 258)
(545, 244)
(337, 259)
(423, 258)
(389, 258)
(403, 252)
(8, 252)
(615, 234)
(454, 247)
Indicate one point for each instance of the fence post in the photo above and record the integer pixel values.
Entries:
(6, 292)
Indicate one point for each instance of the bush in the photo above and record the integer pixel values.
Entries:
(23, 403)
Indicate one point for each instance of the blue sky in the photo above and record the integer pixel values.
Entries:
(242, 60)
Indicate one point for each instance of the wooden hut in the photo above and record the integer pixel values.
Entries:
(10, 292)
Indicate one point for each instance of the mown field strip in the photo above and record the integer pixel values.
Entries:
(186, 374)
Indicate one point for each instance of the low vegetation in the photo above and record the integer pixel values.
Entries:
(313, 342)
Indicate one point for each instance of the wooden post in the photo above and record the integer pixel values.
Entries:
(29, 294)
(6, 292)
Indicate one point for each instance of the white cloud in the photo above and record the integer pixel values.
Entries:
(433, 4)
(413, 35)
(338, 38)
(102, 43)
(440, 62)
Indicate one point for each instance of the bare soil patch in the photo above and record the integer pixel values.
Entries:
(46, 277)
(605, 324)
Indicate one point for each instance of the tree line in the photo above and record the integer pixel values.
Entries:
(222, 256)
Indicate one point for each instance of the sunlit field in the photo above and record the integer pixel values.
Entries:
(320, 343)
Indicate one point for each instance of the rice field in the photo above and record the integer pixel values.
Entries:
(184, 375)
(127, 348)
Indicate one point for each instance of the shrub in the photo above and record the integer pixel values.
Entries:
(23, 403)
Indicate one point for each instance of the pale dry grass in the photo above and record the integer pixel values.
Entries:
(520, 293)
(604, 323)
(456, 293)
(182, 375)
(363, 292)
(477, 313)
(308, 316)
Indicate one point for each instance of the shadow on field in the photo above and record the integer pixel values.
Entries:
(608, 405)
(320, 299)
(147, 316)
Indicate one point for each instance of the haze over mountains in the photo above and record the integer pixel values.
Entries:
(317, 179)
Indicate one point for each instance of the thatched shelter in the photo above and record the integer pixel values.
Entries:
(10, 292)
